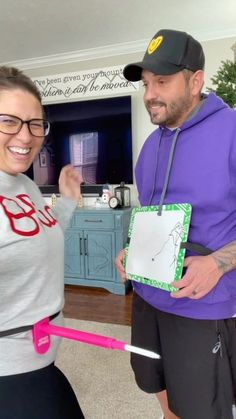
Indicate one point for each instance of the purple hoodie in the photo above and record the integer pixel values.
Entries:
(203, 173)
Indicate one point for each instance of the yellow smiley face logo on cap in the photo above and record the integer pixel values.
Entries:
(154, 44)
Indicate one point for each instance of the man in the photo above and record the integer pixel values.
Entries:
(189, 158)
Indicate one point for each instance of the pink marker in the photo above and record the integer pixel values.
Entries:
(43, 329)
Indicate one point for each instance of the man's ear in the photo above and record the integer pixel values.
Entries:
(197, 82)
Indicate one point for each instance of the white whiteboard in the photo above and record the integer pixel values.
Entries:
(154, 251)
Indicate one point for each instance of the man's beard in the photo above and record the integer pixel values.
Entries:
(174, 111)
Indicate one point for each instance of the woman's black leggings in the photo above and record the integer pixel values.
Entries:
(41, 394)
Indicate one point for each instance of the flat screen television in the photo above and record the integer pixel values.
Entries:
(93, 135)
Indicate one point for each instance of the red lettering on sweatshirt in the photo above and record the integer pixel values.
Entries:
(23, 217)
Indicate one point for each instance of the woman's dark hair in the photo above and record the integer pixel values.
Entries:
(11, 78)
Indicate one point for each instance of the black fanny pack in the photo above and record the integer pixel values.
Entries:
(196, 248)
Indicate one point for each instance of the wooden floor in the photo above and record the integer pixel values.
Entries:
(96, 304)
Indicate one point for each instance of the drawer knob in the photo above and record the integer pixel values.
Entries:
(93, 221)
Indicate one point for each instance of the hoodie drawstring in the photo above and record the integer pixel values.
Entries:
(168, 170)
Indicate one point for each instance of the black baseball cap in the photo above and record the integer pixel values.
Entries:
(168, 52)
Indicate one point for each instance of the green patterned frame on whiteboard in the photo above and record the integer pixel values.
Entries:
(186, 209)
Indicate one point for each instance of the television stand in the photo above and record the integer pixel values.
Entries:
(92, 241)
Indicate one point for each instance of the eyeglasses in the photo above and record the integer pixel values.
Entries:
(10, 124)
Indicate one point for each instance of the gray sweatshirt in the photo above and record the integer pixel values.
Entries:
(31, 269)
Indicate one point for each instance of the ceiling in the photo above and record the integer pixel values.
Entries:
(33, 31)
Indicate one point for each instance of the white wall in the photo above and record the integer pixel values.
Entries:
(215, 52)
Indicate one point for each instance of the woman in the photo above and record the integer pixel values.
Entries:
(31, 259)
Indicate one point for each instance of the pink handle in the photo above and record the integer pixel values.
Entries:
(43, 329)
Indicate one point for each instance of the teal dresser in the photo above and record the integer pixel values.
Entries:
(92, 242)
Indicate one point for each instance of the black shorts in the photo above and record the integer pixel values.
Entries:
(198, 364)
(40, 394)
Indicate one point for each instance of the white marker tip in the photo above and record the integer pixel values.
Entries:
(140, 351)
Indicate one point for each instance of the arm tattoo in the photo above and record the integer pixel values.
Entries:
(226, 257)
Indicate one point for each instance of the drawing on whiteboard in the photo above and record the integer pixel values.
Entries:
(171, 245)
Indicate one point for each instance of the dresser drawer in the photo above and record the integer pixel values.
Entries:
(93, 221)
